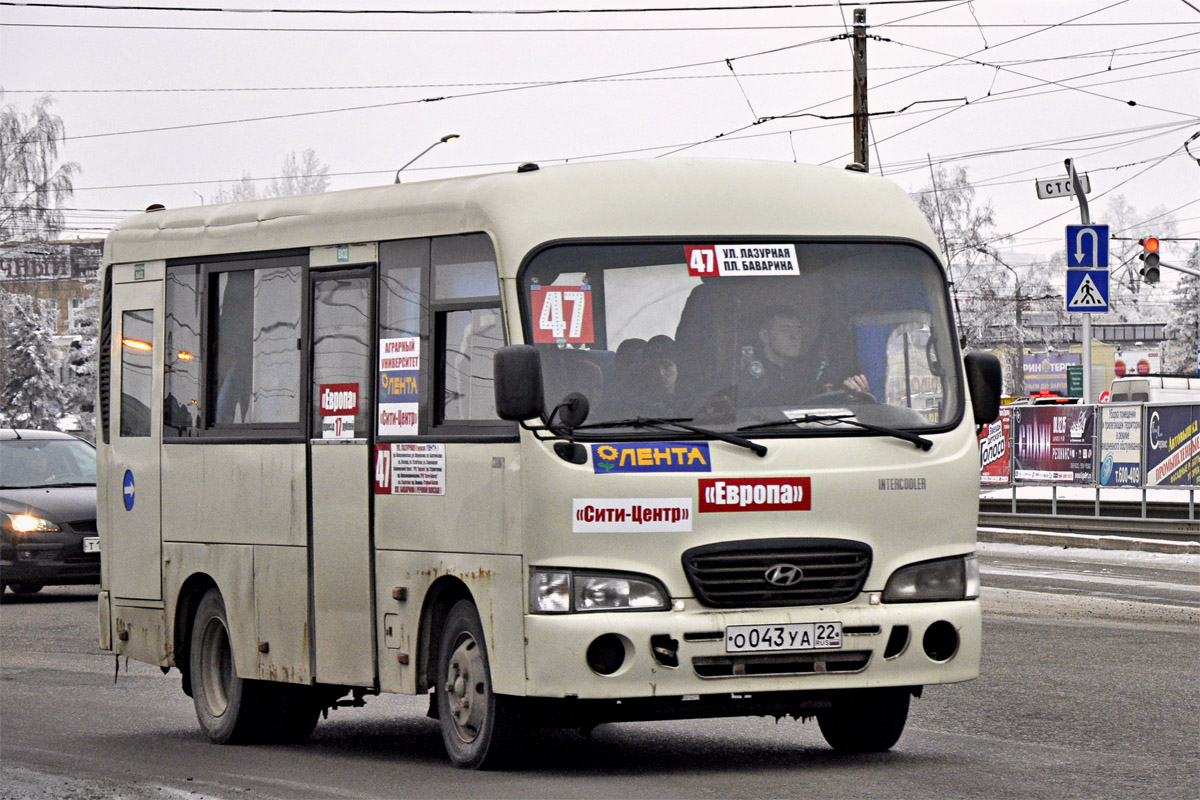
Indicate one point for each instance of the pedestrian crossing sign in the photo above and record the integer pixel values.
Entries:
(1087, 291)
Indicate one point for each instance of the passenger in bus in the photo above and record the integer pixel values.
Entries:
(782, 369)
(657, 376)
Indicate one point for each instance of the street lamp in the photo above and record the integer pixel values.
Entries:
(450, 137)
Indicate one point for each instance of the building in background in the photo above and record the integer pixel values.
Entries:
(61, 272)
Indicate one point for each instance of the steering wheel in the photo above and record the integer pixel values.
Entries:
(844, 394)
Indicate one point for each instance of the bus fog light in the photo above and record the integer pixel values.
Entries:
(943, 579)
(940, 641)
(607, 653)
(550, 592)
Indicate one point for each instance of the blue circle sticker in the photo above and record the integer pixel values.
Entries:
(129, 490)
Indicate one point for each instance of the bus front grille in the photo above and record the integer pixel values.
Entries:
(769, 573)
(737, 666)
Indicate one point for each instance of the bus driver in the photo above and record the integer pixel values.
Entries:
(783, 371)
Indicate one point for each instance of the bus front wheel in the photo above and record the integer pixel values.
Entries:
(228, 707)
(478, 726)
(865, 720)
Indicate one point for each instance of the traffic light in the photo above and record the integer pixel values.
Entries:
(1149, 259)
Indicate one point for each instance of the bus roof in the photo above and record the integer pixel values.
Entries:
(627, 199)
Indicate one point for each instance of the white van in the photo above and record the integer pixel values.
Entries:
(1155, 389)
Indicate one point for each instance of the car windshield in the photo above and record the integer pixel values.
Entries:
(26, 463)
(730, 335)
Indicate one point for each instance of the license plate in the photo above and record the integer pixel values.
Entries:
(91, 544)
(780, 638)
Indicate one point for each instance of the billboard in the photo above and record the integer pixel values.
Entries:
(1048, 371)
(1055, 444)
(1136, 362)
(995, 451)
(1173, 446)
(1120, 445)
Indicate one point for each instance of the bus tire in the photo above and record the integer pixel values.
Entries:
(228, 708)
(293, 712)
(26, 587)
(479, 728)
(865, 720)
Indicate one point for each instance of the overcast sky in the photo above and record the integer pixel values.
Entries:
(160, 106)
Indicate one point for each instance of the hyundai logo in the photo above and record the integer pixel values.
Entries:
(784, 575)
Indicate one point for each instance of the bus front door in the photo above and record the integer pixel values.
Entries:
(339, 472)
(132, 545)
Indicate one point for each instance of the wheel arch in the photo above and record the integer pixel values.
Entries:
(190, 593)
(441, 597)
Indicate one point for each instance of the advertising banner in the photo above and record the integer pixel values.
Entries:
(1136, 362)
(1055, 444)
(1173, 446)
(1120, 445)
(1048, 372)
(995, 453)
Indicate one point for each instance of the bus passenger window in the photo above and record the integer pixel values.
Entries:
(471, 339)
(137, 336)
(183, 407)
(401, 264)
(256, 370)
(464, 266)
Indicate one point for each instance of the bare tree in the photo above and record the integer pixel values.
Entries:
(32, 182)
(299, 175)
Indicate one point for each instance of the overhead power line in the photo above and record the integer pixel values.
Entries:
(442, 12)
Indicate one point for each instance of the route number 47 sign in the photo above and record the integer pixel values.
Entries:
(562, 314)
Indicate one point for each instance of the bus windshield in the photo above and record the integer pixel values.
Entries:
(735, 334)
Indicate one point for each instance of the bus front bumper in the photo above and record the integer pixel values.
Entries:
(683, 654)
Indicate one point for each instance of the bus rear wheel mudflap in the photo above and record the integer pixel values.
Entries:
(480, 729)
(233, 710)
(865, 720)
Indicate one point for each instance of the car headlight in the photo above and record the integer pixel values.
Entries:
(27, 523)
(954, 578)
(560, 591)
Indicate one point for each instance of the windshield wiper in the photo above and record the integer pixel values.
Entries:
(682, 424)
(849, 419)
(50, 485)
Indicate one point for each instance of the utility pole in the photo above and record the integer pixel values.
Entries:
(860, 88)
(1086, 218)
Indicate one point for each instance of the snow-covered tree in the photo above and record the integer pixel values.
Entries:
(1183, 322)
(32, 182)
(303, 175)
(80, 385)
(32, 395)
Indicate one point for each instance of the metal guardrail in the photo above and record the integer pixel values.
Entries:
(1167, 521)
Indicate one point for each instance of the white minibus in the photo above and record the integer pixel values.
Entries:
(558, 447)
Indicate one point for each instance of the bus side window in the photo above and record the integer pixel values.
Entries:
(467, 325)
(183, 367)
(255, 361)
(137, 334)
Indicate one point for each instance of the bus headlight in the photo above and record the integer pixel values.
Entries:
(954, 578)
(566, 591)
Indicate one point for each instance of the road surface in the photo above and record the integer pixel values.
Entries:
(1090, 689)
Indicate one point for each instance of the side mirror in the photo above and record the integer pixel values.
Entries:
(983, 381)
(573, 410)
(517, 370)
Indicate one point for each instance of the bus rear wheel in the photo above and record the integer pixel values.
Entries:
(479, 727)
(865, 720)
(228, 707)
